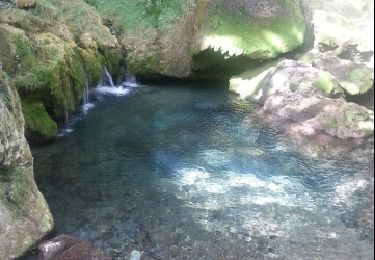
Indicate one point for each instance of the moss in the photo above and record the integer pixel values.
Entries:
(132, 15)
(234, 34)
(359, 80)
(50, 72)
(93, 62)
(38, 121)
(329, 85)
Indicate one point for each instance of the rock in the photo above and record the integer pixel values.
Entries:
(296, 91)
(67, 247)
(338, 25)
(211, 39)
(24, 215)
(87, 42)
(135, 255)
(355, 78)
(25, 4)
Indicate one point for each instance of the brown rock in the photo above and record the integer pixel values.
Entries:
(64, 247)
(25, 4)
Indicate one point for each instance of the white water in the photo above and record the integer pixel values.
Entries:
(87, 105)
(129, 80)
(107, 87)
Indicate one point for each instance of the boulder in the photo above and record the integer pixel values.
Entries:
(25, 4)
(65, 247)
(24, 215)
(212, 39)
(297, 91)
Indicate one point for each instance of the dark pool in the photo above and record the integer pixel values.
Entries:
(178, 173)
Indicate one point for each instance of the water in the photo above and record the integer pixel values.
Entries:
(181, 173)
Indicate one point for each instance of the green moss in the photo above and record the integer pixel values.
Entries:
(235, 34)
(51, 72)
(359, 80)
(38, 121)
(133, 15)
(329, 85)
(93, 62)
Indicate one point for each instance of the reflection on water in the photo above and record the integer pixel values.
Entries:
(177, 173)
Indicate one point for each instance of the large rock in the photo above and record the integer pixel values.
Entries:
(50, 53)
(259, 30)
(214, 38)
(301, 93)
(24, 214)
(64, 247)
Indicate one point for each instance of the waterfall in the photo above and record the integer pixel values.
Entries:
(66, 116)
(129, 79)
(106, 86)
(106, 79)
(86, 105)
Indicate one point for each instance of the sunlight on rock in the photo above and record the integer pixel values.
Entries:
(345, 190)
(224, 44)
(275, 40)
(247, 87)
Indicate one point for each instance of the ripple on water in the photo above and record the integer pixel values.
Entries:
(190, 178)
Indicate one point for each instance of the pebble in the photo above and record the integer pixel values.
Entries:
(135, 255)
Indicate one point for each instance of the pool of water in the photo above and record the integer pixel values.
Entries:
(179, 173)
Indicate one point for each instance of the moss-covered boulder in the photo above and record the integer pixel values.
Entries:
(24, 214)
(259, 30)
(25, 4)
(299, 92)
(40, 126)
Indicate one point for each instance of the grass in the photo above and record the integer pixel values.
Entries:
(133, 15)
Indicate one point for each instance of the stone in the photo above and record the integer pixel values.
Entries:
(298, 92)
(24, 214)
(135, 255)
(68, 247)
(25, 4)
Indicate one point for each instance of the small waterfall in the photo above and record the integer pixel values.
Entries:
(66, 116)
(129, 79)
(86, 105)
(107, 80)
(106, 86)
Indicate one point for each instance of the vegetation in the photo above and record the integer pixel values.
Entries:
(38, 120)
(133, 15)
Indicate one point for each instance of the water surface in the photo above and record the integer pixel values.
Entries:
(178, 173)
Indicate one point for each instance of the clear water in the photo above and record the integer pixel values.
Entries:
(180, 173)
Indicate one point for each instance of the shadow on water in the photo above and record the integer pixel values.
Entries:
(177, 173)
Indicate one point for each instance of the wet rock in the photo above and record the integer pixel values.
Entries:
(25, 4)
(68, 247)
(296, 91)
(135, 255)
(24, 215)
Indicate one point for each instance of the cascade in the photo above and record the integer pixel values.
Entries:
(106, 86)
(106, 79)
(129, 79)
(86, 105)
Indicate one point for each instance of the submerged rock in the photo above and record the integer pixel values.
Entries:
(68, 247)
(135, 255)
(24, 215)
(301, 93)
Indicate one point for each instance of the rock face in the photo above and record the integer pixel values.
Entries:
(24, 214)
(48, 52)
(301, 93)
(68, 247)
(215, 35)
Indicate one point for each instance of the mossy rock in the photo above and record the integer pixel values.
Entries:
(259, 31)
(51, 72)
(329, 85)
(40, 126)
(359, 80)
(94, 63)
